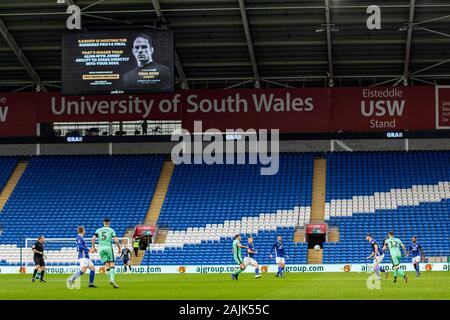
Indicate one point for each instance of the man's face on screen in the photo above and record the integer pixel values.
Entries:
(142, 51)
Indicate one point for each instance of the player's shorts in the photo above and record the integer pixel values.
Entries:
(378, 260)
(249, 261)
(85, 262)
(396, 260)
(125, 261)
(279, 260)
(415, 259)
(106, 254)
(39, 261)
(238, 260)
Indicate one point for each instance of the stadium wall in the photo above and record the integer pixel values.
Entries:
(70, 149)
(166, 147)
(17, 149)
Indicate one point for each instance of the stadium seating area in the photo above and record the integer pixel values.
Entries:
(7, 165)
(210, 194)
(56, 194)
(377, 192)
(206, 205)
(219, 252)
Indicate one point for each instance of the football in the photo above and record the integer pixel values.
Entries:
(317, 247)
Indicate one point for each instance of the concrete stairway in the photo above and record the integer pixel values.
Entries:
(333, 234)
(315, 257)
(299, 235)
(12, 182)
(160, 193)
(318, 192)
(318, 203)
(155, 206)
(161, 236)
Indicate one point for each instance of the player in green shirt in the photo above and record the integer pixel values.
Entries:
(105, 235)
(237, 256)
(394, 245)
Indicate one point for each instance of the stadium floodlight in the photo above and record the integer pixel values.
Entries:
(403, 28)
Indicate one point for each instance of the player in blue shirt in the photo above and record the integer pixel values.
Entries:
(417, 254)
(249, 259)
(84, 260)
(278, 248)
(377, 255)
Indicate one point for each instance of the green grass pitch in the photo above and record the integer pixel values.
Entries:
(432, 285)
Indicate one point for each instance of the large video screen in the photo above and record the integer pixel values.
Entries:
(117, 62)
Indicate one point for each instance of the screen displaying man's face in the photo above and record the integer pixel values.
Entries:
(142, 51)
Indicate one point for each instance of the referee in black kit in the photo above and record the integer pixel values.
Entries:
(38, 258)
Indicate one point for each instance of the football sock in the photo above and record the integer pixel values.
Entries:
(38, 275)
(280, 271)
(257, 271)
(112, 272)
(76, 275)
(382, 269)
(377, 271)
(91, 277)
(395, 273)
(416, 266)
(42, 274)
(34, 273)
(238, 272)
(108, 274)
(400, 272)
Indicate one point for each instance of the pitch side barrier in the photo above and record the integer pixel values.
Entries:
(225, 269)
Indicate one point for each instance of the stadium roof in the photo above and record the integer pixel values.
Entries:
(226, 43)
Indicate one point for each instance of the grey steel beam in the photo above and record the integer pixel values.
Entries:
(249, 40)
(432, 20)
(329, 49)
(238, 44)
(432, 31)
(241, 83)
(21, 56)
(250, 8)
(22, 88)
(178, 64)
(385, 82)
(423, 81)
(391, 78)
(277, 83)
(199, 63)
(412, 6)
(429, 67)
(92, 4)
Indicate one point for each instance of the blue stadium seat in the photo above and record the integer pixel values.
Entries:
(202, 195)
(402, 176)
(56, 194)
